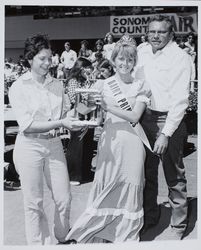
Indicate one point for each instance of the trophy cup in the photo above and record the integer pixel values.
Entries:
(87, 113)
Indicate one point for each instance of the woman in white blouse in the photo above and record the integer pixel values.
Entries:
(39, 106)
(109, 45)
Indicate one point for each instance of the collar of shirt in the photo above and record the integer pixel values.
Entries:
(69, 51)
(28, 76)
(165, 50)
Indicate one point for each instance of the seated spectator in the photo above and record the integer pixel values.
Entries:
(54, 65)
(98, 48)
(98, 58)
(60, 71)
(85, 51)
(104, 69)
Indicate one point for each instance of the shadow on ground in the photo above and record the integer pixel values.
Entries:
(189, 148)
(192, 215)
(164, 222)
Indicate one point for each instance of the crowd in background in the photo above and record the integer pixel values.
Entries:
(77, 69)
(62, 64)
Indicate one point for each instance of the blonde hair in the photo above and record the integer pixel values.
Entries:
(127, 50)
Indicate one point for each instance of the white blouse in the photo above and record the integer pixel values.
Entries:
(33, 101)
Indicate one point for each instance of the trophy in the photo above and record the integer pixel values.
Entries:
(86, 111)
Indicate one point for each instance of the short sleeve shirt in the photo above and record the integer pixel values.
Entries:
(33, 101)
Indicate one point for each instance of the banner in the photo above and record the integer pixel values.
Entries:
(137, 24)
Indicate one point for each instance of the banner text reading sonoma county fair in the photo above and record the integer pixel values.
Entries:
(137, 24)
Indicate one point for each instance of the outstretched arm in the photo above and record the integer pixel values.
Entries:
(45, 126)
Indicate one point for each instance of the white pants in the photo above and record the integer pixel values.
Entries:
(35, 159)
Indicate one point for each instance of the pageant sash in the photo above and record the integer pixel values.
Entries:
(124, 104)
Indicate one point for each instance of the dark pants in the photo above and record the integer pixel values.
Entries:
(66, 73)
(79, 156)
(174, 171)
(53, 71)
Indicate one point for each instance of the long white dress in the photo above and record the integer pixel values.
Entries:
(115, 205)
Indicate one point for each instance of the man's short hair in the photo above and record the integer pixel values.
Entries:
(161, 18)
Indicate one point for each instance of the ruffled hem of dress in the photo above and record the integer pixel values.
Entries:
(91, 226)
(114, 213)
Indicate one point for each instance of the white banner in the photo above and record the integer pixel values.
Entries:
(137, 24)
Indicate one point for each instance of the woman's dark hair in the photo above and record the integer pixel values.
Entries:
(191, 34)
(106, 37)
(75, 72)
(106, 65)
(85, 42)
(98, 42)
(33, 45)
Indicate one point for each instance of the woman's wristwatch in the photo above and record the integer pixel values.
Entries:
(165, 135)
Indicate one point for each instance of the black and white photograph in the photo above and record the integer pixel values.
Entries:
(100, 124)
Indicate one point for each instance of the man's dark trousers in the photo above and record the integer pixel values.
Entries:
(174, 171)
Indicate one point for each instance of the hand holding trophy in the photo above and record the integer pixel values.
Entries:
(87, 109)
(72, 123)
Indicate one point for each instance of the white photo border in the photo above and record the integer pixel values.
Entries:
(152, 245)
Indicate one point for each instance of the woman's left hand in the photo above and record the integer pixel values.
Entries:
(104, 101)
(146, 92)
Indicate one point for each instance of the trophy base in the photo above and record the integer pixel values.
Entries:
(87, 123)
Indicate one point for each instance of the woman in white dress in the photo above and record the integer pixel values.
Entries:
(109, 45)
(114, 210)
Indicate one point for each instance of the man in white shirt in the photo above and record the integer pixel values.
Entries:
(68, 58)
(167, 71)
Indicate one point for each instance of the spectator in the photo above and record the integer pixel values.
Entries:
(187, 49)
(80, 150)
(84, 50)
(68, 58)
(191, 50)
(21, 60)
(105, 69)
(109, 45)
(7, 70)
(60, 71)
(98, 48)
(10, 61)
(54, 65)
(98, 58)
(144, 41)
(190, 43)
